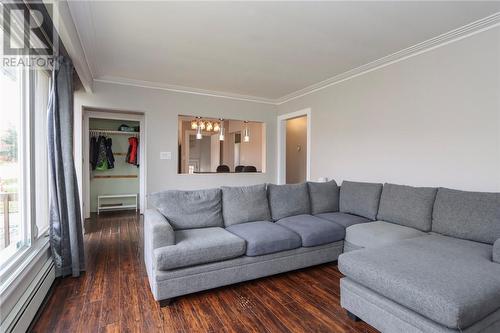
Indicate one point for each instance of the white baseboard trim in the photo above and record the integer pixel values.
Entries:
(21, 316)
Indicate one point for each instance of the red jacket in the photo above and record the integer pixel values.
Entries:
(133, 146)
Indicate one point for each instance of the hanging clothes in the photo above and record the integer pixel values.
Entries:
(109, 153)
(93, 152)
(102, 157)
(133, 149)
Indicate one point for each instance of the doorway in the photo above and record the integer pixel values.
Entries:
(294, 147)
(116, 183)
(296, 150)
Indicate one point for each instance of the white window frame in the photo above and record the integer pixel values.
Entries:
(27, 181)
(24, 199)
(34, 242)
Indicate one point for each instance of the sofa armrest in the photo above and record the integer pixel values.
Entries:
(157, 233)
(496, 251)
(157, 230)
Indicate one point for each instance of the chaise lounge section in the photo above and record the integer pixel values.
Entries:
(443, 281)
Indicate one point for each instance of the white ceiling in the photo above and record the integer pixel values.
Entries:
(260, 49)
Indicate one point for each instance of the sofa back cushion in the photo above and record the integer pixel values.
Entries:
(190, 209)
(324, 197)
(245, 204)
(468, 215)
(360, 198)
(288, 200)
(408, 206)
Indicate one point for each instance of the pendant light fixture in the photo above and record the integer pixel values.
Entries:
(199, 136)
(221, 130)
(246, 133)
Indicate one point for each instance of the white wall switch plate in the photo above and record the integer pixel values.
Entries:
(165, 155)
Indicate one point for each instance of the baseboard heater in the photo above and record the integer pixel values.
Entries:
(21, 316)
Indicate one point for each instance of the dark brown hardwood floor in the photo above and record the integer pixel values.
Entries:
(113, 295)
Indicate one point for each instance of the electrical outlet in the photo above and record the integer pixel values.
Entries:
(165, 155)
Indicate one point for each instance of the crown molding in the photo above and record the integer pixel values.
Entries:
(182, 89)
(465, 31)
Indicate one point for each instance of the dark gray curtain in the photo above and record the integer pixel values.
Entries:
(66, 237)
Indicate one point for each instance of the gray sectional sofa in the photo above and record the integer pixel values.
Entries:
(414, 259)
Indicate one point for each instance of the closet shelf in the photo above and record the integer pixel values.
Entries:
(115, 176)
(110, 132)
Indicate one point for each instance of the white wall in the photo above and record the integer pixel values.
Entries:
(433, 119)
(161, 109)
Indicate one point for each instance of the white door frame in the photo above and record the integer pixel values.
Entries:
(281, 174)
(141, 118)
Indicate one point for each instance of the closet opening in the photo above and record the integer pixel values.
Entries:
(114, 162)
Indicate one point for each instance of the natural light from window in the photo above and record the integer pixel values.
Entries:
(11, 233)
(24, 202)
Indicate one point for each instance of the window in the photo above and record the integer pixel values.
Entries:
(13, 234)
(23, 162)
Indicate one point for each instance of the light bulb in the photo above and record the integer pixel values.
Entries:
(216, 127)
(201, 125)
(221, 134)
(209, 126)
(246, 133)
(194, 124)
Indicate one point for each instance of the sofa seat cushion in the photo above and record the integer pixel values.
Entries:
(379, 233)
(263, 237)
(448, 280)
(199, 246)
(344, 219)
(312, 230)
